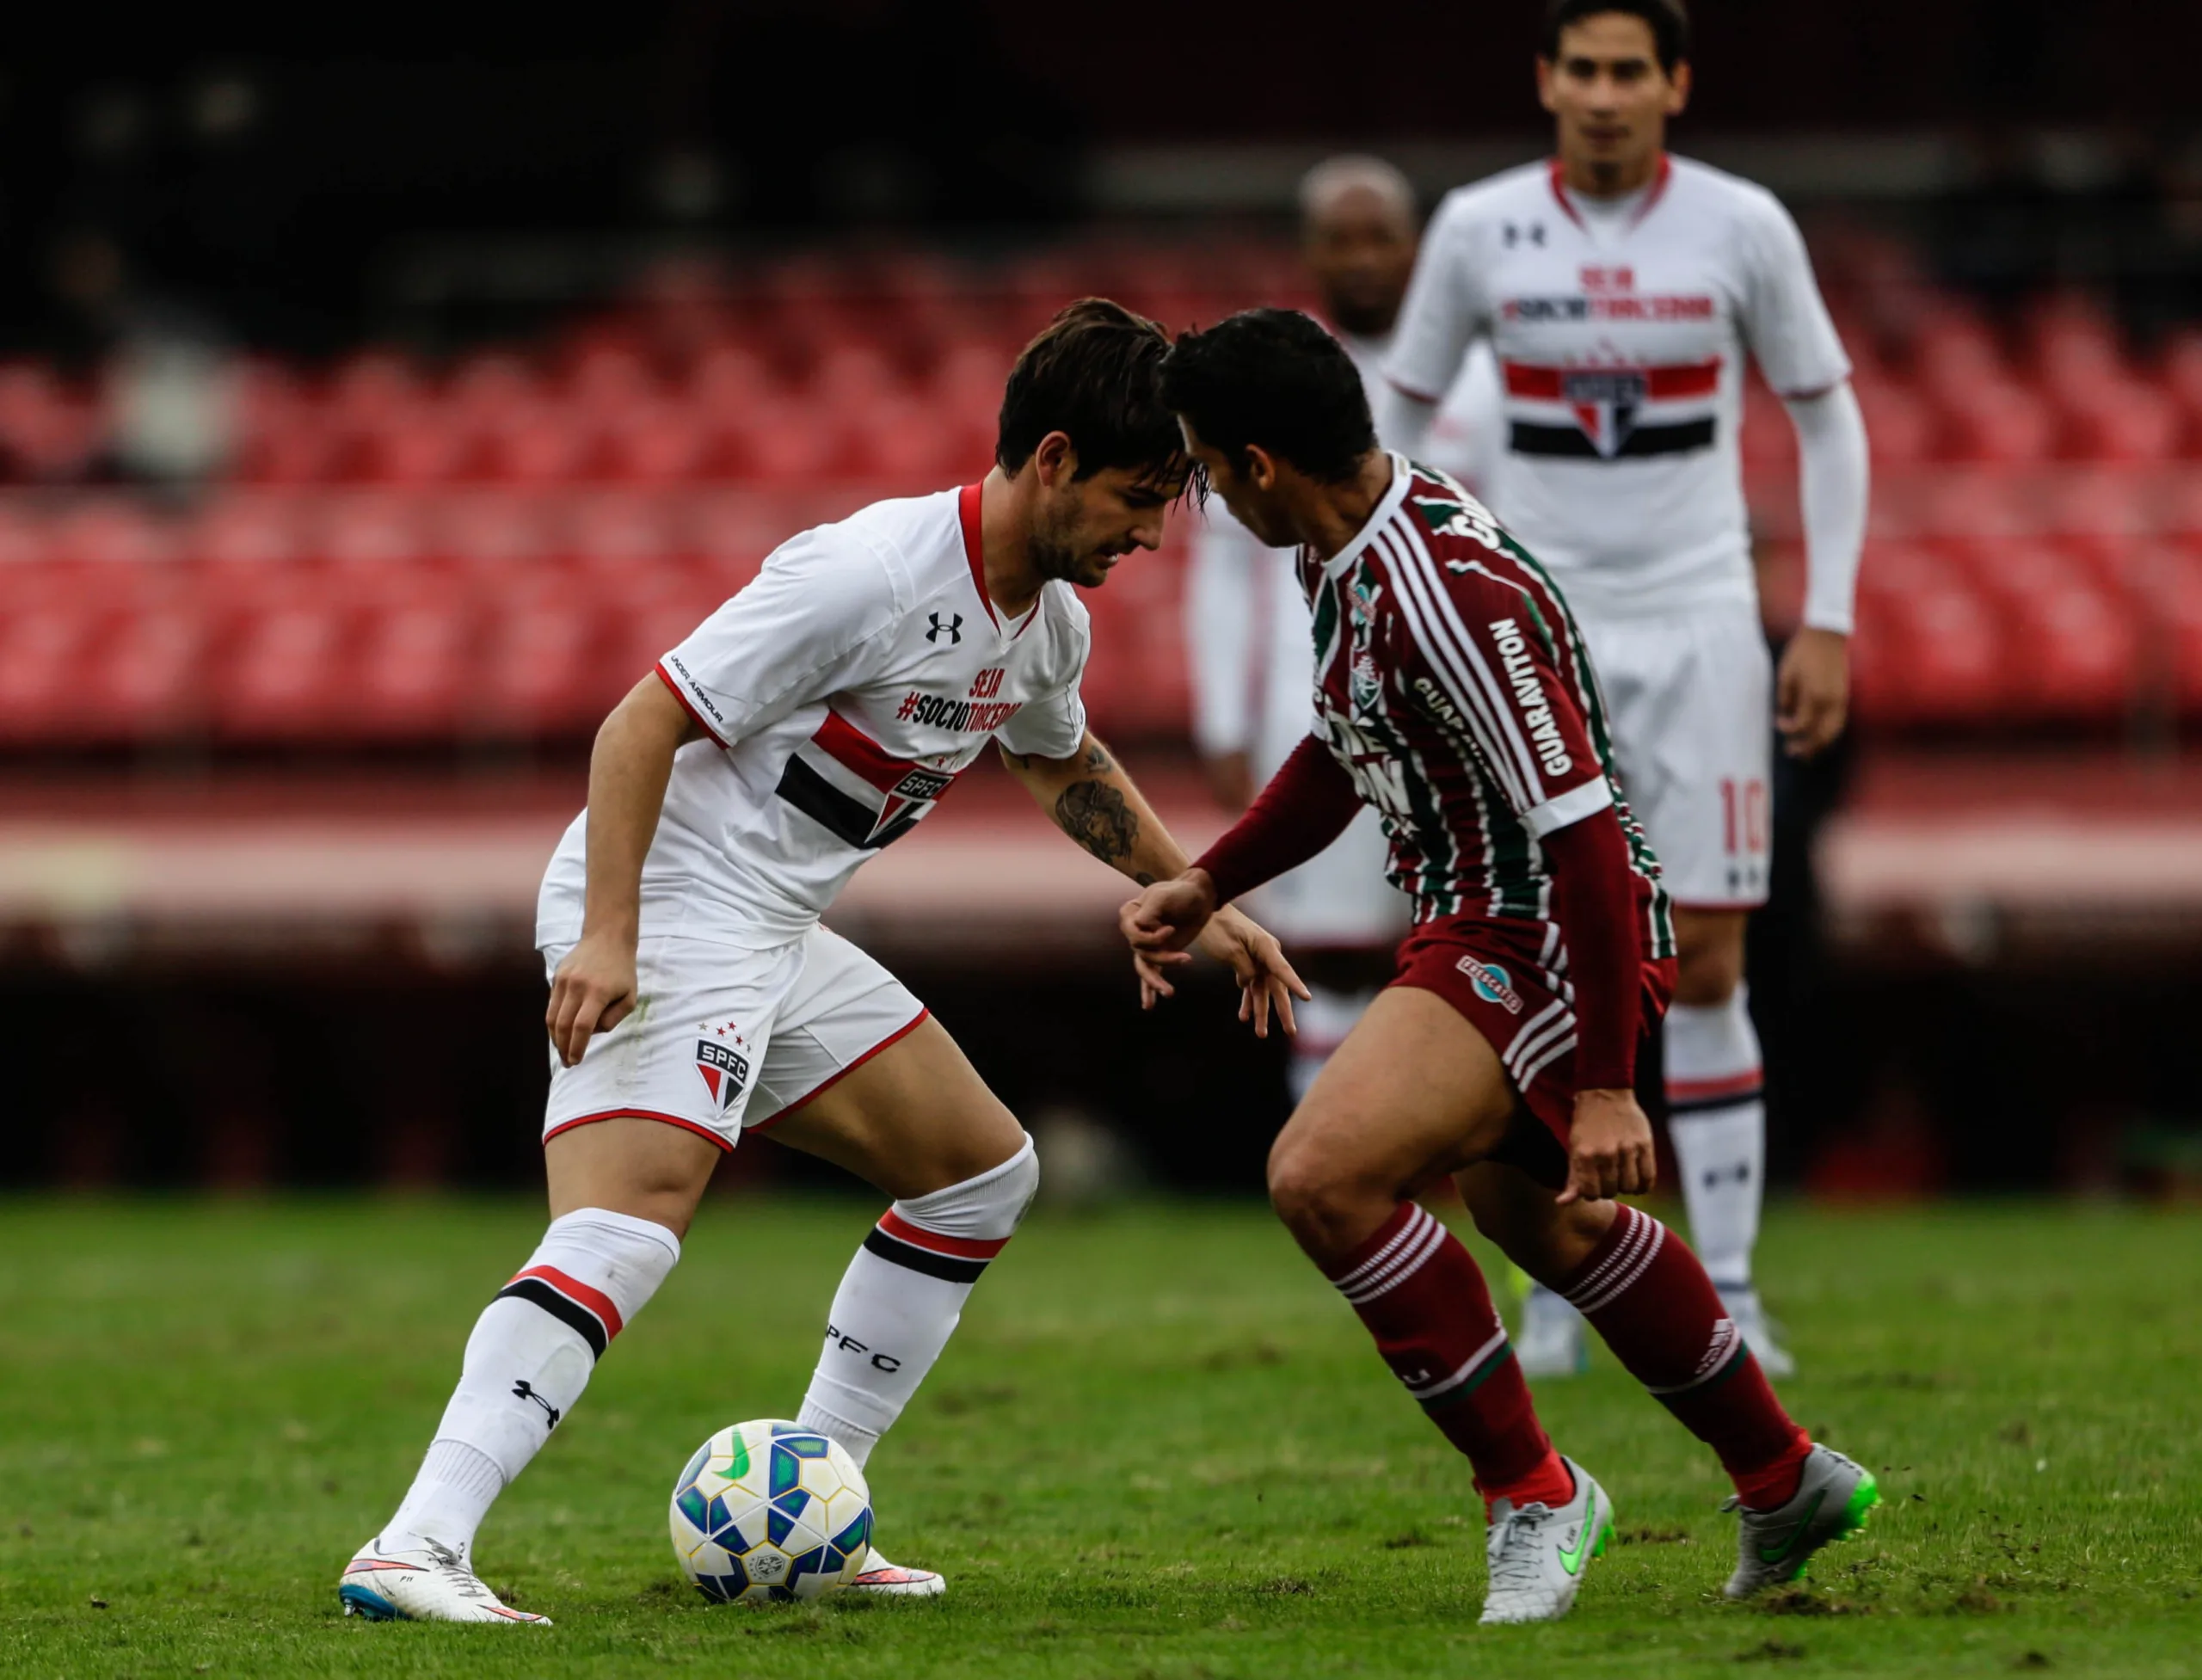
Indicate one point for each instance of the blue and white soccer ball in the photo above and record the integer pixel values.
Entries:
(767, 1511)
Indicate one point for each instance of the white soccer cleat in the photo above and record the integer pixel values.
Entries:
(427, 1583)
(891, 1580)
(1757, 1330)
(1833, 1498)
(1538, 1554)
(1552, 1341)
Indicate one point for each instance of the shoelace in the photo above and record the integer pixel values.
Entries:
(1513, 1566)
(453, 1568)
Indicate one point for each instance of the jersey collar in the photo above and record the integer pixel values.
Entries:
(1379, 517)
(967, 509)
(1656, 191)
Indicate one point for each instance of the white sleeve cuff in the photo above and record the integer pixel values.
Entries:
(1572, 806)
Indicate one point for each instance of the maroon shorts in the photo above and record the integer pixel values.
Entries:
(1494, 974)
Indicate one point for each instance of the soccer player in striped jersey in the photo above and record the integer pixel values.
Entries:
(1622, 289)
(814, 718)
(1454, 695)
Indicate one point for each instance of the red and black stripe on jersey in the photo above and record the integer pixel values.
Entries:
(1397, 632)
(589, 1312)
(851, 785)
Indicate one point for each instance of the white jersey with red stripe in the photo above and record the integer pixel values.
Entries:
(1621, 328)
(840, 693)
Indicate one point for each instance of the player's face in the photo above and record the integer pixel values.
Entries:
(1251, 502)
(1360, 247)
(1610, 95)
(1082, 526)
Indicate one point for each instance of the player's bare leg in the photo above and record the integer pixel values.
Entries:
(917, 1121)
(1415, 1089)
(1716, 1106)
(1648, 1296)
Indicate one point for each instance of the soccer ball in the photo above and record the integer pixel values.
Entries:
(768, 1512)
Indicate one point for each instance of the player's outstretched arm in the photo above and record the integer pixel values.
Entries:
(595, 986)
(1089, 797)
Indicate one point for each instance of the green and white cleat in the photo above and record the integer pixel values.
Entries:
(883, 1579)
(1831, 1502)
(427, 1583)
(1538, 1554)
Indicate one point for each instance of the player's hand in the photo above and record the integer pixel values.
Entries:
(1813, 690)
(1266, 980)
(592, 991)
(1159, 924)
(1609, 1150)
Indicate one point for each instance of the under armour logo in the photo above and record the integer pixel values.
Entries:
(525, 1390)
(1513, 234)
(953, 630)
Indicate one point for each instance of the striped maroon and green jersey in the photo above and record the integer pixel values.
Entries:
(1453, 685)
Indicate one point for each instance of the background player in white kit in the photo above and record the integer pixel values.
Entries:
(813, 719)
(1620, 288)
(1254, 662)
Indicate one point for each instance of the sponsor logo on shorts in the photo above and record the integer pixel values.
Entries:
(723, 1068)
(1491, 983)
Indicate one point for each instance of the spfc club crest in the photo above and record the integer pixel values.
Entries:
(725, 1068)
(1606, 402)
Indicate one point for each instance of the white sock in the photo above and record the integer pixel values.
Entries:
(526, 1364)
(1323, 1018)
(1716, 1106)
(902, 1296)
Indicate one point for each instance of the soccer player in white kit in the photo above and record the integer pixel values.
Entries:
(1620, 288)
(1254, 662)
(813, 719)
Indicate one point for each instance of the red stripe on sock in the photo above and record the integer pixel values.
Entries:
(574, 1290)
(1666, 1325)
(963, 1248)
(1728, 1084)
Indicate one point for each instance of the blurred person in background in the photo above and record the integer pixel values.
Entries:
(1622, 288)
(814, 718)
(1246, 627)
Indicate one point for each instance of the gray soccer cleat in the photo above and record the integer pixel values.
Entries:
(1832, 1501)
(1537, 1555)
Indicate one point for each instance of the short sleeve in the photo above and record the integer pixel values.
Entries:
(1445, 308)
(800, 630)
(1483, 659)
(1054, 725)
(1785, 320)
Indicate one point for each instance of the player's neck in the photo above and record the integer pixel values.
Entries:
(1610, 178)
(1013, 582)
(1334, 514)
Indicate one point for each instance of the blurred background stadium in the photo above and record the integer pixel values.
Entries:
(379, 399)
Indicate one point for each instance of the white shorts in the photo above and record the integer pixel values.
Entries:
(722, 1040)
(1690, 699)
(1340, 898)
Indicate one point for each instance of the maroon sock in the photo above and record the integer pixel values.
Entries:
(1650, 1300)
(1424, 1301)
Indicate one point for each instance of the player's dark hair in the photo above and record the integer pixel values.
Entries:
(1274, 378)
(1094, 374)
(1668, 21)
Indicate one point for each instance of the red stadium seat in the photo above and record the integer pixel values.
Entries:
(2074, 654)
(143, 678)
(542, 674)
(43, 653)
(414, 670)
(791, 441)
(1998, 419)
(669, 443)
(282, 676)
(1930, 655)
(417, 442)
(545, 445)
(616, 533)
(497, 532)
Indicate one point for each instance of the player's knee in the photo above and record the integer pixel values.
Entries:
(987, 1206)
(1319, 1203)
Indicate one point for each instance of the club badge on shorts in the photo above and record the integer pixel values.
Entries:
(724, 1069)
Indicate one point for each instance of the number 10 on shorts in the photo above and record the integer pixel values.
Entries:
(1745, 817)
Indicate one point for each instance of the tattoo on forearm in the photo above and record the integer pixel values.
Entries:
(1097, 760)
(1095, 815)
(1142, 877)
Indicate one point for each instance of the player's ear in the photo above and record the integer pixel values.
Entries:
(1055, 460)
(1261, 468)
(1678, 88)
(1544, 84)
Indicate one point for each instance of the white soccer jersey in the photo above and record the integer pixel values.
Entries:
(1620, 330)
(843, 690)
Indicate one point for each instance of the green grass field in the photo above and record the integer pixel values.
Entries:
(1159, 1446)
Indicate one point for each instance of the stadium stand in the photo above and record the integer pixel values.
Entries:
(494, 549)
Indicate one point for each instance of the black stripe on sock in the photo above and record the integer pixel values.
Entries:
(1729, 1099)
(571, 1314)
(952, 1267)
